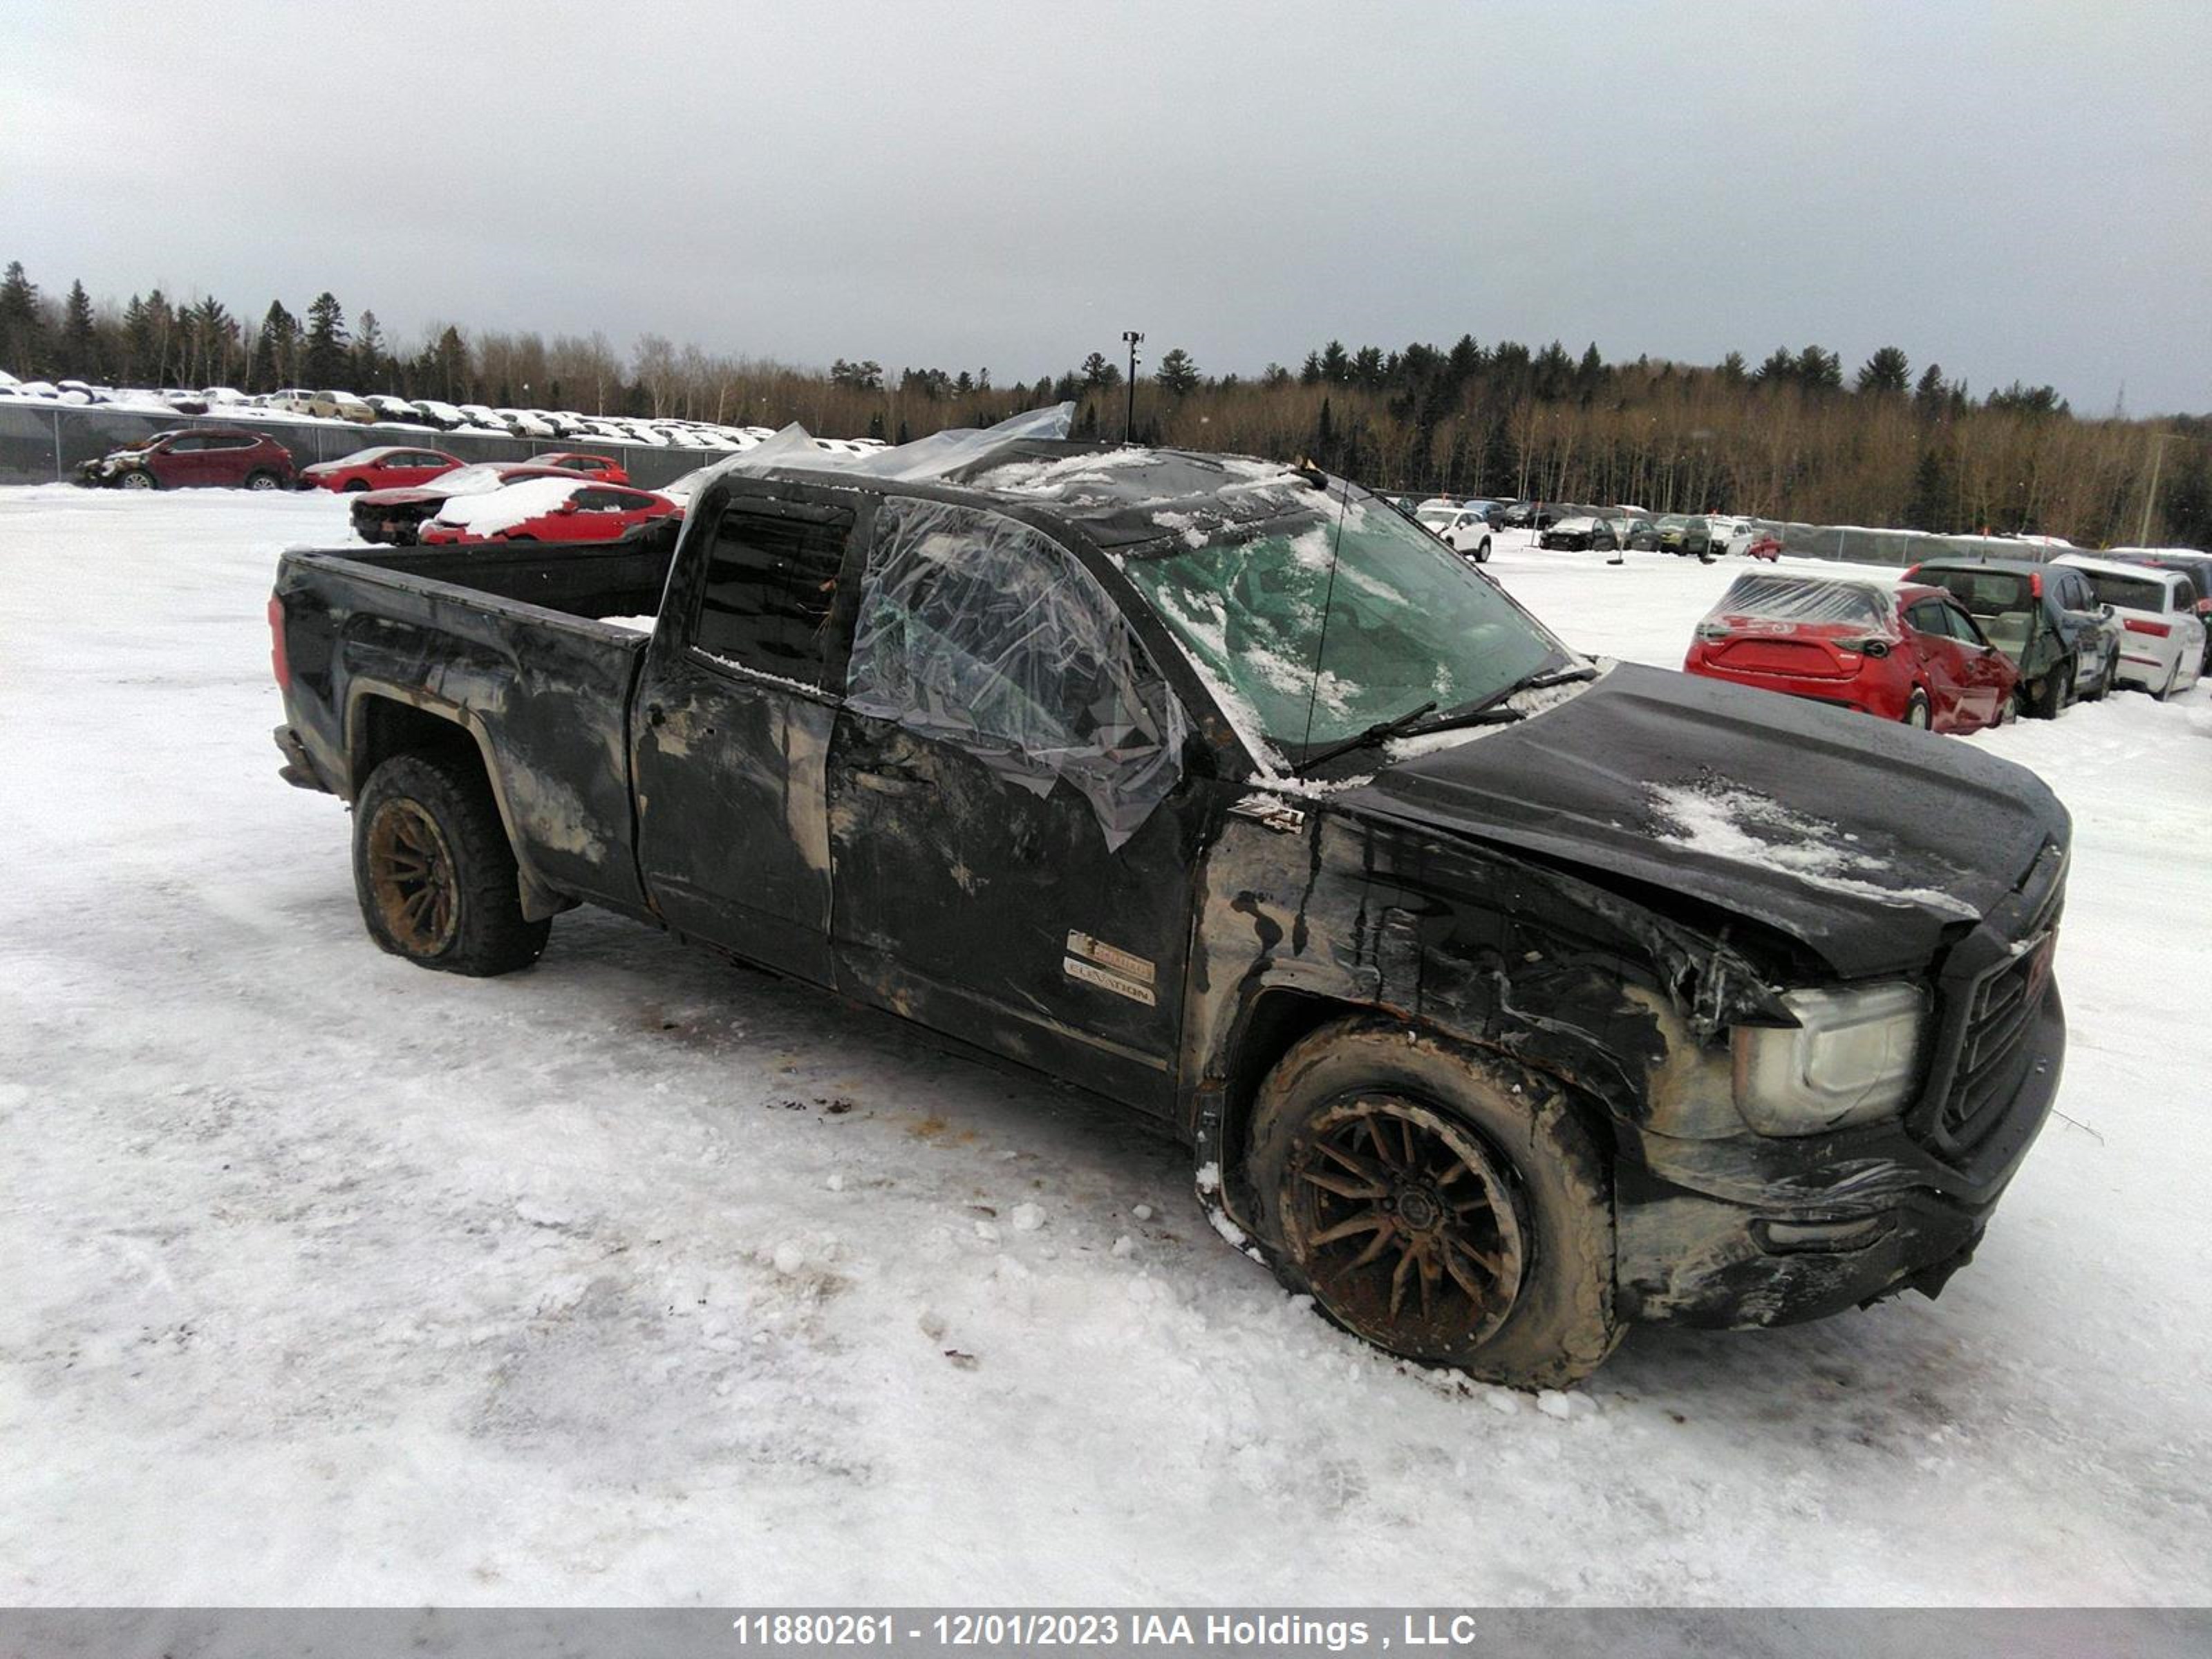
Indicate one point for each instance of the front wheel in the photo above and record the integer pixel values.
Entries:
(137, 481)
(1439, 1202)
(434, 872)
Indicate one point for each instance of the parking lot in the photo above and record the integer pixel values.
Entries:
(638, 1277)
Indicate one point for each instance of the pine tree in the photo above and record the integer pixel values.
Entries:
(210, 340)
(1929, 505)
(1732, 368)
(1780, 368)
(1178, 374)
(1335, 363)
(80, 336)
(271, 365)
(22, 332)
(453, 370)
(1886, 373)
(369, 356)
(1930, 395)
(1819, 370)
(324, 365)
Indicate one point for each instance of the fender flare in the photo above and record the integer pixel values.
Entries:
(538, 897)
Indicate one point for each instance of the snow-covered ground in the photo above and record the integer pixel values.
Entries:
(639, 1278)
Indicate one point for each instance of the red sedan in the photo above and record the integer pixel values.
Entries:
(388, 467)
(394, 515)
(605, 468)
(1907, 652)
(555, 509)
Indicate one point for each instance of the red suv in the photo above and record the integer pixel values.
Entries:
(225, 456)
(389, 466)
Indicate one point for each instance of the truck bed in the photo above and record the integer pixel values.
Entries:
(505, 641)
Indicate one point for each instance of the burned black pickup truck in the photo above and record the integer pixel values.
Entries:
(1505, 997)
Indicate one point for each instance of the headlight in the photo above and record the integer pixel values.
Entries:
(1852, 1058)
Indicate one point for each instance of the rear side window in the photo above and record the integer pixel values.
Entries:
(771, 591)
(2126, 593)
(1930, 616)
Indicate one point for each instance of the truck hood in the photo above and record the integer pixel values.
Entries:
(1861, 841)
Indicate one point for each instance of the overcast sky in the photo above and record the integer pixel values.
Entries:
(2017, 190)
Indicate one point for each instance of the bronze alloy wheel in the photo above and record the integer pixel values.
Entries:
(1405, 1224)
(410, 873)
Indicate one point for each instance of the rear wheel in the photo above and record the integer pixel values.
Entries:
(2172, 680)
(2104, 677)
(261, 481)
(433, 870)
(1916, 711)
(2055, 691)
(1439, 1202)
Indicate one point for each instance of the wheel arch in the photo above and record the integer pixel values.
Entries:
(1275, 1018)
(384, 721)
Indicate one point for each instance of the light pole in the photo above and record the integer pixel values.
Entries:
(1129, 409)
(2158, 443)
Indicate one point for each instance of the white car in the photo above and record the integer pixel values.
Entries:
(1456, 528)
(2161, 640)
(1731, 535)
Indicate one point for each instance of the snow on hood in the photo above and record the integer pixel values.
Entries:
(503, 508)
(1863, 841)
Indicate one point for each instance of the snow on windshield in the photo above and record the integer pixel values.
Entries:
(504, 508)
(1322, 626)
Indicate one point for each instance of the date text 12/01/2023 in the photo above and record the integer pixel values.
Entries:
(1103, 1629)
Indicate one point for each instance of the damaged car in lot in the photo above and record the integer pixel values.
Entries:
(1505, 997)
(1898, 653)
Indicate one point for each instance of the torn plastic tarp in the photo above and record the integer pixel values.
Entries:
(1767, 597)
(936, 456)
(978, 630)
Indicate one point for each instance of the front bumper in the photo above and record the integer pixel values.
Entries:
(1755, 1231)
(1898, 1220)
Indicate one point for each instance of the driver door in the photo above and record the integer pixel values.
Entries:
(1011, 835)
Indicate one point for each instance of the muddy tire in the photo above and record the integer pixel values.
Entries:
(1916, 711)
(2104, 680)
(1439, 1202)
(2055, 691)
(434, 872)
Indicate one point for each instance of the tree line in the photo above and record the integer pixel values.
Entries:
(1794, 437)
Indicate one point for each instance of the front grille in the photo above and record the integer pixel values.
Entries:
(1993, 1054)
(1992, 1057)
